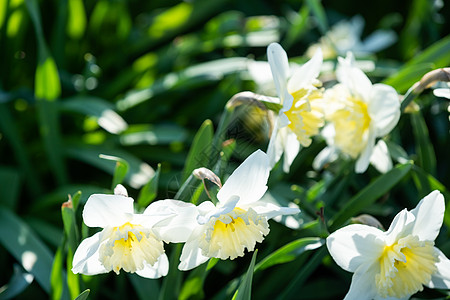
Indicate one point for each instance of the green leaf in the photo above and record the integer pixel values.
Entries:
(170, 288)
(101, 110)
(244, 292)
(407, 76)
(150, 190)
(153, 134)
(369, 195)
(435, 56)
(295, 285)
(70, 227)
(199, 154)
(57, 274)
(424, 148)
(139, 172)
(120, 170)
(47, 85)
(73, 280)
(289, 252)
(17, 284)
(84, 295)
(27, 249)
(193, 285)
(9, 185)
(76, 23)
(319, 12)
(144, 287)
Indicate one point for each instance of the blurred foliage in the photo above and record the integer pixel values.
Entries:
(134, 81)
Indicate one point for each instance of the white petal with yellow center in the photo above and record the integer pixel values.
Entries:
(230, 234)
(405, 267)
(129, 247)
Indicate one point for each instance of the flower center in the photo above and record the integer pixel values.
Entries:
(230, 234)
(405, 267)
(351, 121)
(129, 247)
(305, 115)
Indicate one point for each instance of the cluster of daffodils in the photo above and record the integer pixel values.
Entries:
(353, 113)
(397, 263)
(135, 242)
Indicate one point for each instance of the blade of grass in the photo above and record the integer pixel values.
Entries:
(244, 292)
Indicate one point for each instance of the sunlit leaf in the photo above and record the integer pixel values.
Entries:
(199, 155)
(84, 295)
(289, 252)
(27, 249)
(244, 292)
(76, 22)
(424, 148)
(19, 281)
(150, 190)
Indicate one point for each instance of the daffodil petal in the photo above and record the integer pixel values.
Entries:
(191, 255)
(248, 181)
(275, 148)
(353, 78)
(441, 279)
(159, 269)
(225, 208)
(355, 245)
(364, 158)
(86, 258)
(279, 66)
(270, 210)
(107, 210)
(307, 73)
(384, 108)
(400, 226)
(380, 157)
(429, 215)
(291, 149)
(179, 225)
(362, 286)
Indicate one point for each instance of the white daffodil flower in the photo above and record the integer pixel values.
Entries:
(358, 113)
(397, 263)
(238, 221)
(301, 114)
(345, 36)
(128, 241)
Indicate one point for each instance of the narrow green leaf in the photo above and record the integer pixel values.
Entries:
(289, 252)
(120, 170)
(101, 110)
(295, 285)
(193, 285)
(76, 23)
(369, 195)
(170, 288)
(144, 287)
(150, 190)
(407, 76)
(153, 134)
(139, 173)
(10, 130)
(70, 227)
(84, 295)
(73, 280)
(17, 284)
(424, 148)
(199, 155)
(244, 292)
(9, 185)
(27, 249)
(47, 85)
(319, 12)
(57, 274)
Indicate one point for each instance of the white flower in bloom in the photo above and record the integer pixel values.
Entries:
(238, 221)
(301, 114)
(397, 263)
(127, 241)
(345, 36)
(358, 113)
